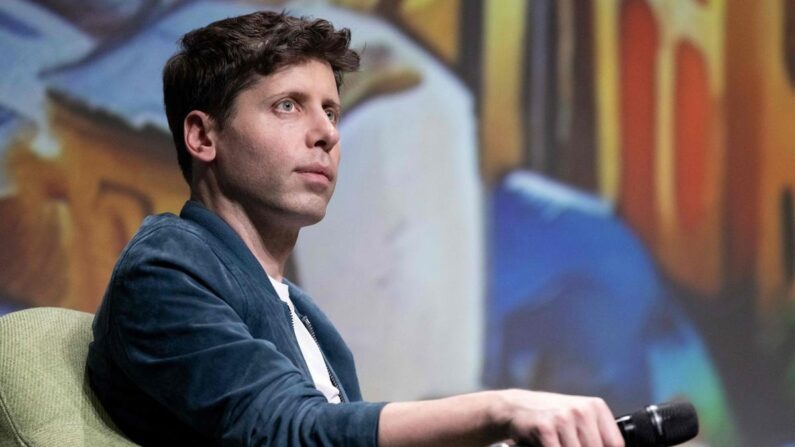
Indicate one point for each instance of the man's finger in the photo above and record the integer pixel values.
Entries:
(611, 436)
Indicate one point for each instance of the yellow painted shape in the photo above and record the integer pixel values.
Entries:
(436, 22)
(607, 98)
(503, 58)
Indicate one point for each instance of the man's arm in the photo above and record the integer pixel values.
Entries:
(173, 322)
(478, 419)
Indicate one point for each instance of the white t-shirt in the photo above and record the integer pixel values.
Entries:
(309, 348)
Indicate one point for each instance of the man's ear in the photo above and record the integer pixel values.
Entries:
(199, 130)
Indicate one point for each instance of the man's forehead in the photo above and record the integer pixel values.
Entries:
(312, 77)
(309, 72)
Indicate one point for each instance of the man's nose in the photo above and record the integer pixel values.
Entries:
(323, 132)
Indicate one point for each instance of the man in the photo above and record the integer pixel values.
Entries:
(200, 340)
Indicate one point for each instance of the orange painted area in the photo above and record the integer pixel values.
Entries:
(775, 150)
(638, 43)
(691, 135)
(80, 208)
(744, 141)
(36, 229)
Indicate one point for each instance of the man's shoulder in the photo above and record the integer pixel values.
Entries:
(167, 254)
(167, 236)
(159, 228)
(167, 224)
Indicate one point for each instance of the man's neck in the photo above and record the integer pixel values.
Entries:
(270, 244)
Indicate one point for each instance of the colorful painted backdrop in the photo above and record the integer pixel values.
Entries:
(587, 196)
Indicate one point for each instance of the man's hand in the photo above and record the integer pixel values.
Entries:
(556, 420)
(526, 417)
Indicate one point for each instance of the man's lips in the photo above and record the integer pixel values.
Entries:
(317, 169)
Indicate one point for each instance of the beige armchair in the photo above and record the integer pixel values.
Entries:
(45, 399)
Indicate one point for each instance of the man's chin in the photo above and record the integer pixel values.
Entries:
(309, 221)
(287, 216)
(309, 216)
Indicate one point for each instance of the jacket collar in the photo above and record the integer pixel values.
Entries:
(197, 213)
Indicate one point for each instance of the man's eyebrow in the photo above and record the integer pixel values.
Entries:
(332, 103)
(288, 93)
(301, 96)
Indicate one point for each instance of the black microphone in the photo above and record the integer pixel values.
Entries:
(659, 425)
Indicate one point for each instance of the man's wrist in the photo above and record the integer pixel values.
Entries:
(498, 419)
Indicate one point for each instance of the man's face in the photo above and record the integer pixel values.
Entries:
(278, 153)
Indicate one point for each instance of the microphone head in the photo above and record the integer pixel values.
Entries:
(659, 425)
(678, 421)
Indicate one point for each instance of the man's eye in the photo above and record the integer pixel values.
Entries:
(286, 106)
(332, 116)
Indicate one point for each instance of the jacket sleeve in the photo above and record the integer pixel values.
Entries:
(179, 337)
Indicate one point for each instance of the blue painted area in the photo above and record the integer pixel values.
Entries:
(576, 304)
(16, 26)
(10, 126)
(125, 80)
(33, 40)
(7, 308)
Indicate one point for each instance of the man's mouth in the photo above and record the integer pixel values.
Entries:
(317, 170)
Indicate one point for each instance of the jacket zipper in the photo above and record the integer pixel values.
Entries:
(311, 330)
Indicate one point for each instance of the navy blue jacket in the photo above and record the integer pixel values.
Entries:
(192, 346)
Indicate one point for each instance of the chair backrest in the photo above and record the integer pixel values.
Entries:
(45, 399)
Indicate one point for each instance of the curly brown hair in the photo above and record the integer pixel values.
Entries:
(216, 62)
